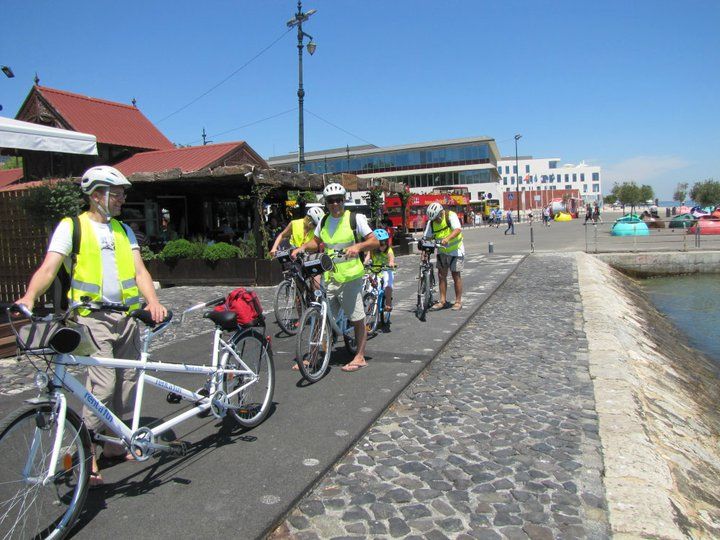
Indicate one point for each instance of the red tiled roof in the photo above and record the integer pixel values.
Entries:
(111, 122)
(192, 158)
(8, 176)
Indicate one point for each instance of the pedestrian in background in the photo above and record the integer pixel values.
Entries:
(546, 216)
(510, 223)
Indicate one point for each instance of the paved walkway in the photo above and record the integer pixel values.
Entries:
(498, 438)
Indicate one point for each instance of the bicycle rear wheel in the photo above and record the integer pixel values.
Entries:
(372, 312)
(428, 291)
(289, 305)
(252, 405)
(313, 352)
(422, 303)
(29, 509)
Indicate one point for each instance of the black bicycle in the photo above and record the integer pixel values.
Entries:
(426, 278)
(293, 294)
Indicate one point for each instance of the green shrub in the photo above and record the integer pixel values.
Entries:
(221, 250)
(181, 249)
(247, 247)
(52, 201)
(147, 254)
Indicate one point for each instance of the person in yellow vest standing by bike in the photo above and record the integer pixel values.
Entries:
(107, 268)
(344, 283)
(444, 226)
(300, 230)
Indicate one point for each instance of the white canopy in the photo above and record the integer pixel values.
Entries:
(28, 136)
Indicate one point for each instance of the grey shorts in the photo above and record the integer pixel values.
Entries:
(349, 296)
(455, 264)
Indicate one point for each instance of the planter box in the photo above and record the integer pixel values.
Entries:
(231, 272)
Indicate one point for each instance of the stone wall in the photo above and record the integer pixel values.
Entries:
(664, 263)
(657, 400)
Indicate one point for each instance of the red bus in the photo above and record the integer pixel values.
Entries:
(455, 199)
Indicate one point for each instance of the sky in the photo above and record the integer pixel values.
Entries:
(630, 86)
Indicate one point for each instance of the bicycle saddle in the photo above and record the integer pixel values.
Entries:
(227, 320)
(145, 317)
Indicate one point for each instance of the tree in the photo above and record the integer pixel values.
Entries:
(680, 192)
(404, 198)
(12, 163)
(375, 199)
(706, 193)
(610, 199)
(647, 193)
(630, 194)
(50, 202)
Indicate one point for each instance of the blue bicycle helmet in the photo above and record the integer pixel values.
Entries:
(381, 234)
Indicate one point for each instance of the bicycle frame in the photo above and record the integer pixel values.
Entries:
(135, 433)
(338, 322)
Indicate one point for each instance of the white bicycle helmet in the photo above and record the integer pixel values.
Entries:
(434, 210)
(102, 176)
(316, 214)
(334, 189)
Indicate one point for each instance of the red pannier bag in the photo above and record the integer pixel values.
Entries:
(246, 305)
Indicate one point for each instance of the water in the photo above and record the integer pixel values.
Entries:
(692, 303)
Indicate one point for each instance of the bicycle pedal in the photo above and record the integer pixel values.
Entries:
(172, 397)
(178, 448)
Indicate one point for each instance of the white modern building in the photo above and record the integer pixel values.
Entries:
(547, 174)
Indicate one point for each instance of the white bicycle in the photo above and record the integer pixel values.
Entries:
(46, 448)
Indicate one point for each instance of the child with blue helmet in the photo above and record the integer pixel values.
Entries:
(383, 257)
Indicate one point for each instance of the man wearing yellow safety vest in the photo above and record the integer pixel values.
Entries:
(299, 231)
(345, 281)
(445, 227)
(108, 268)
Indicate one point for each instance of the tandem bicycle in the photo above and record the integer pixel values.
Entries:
(46, 447)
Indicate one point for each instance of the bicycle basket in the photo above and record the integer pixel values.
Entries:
(48, 335)
(426, 245)
(317, 263)
(284, 258)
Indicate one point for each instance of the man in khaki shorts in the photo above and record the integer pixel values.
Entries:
(445, 228)
(108, 268)
(344, 285)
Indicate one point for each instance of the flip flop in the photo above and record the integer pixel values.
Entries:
(438, 305)
(351, 368)
(457, 306)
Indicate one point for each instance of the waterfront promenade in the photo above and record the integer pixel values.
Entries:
(497, 435)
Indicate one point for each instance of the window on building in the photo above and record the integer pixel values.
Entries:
(512, 180)
(574, 177)
(568, 186)
(596, 177)
(552, 164)
(582, 177)
(584, 188)
(567, 177)
(505, 181)
(596, 187)
(527, 168)
(507, 169)
(500, 170)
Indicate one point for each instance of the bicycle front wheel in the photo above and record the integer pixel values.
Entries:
(372, 312)
(250, 406)
(314, 345)
(422, 304)
(289, 305)
(428, 290)
(29, 507)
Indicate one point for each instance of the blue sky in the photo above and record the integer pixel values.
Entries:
(630, 86)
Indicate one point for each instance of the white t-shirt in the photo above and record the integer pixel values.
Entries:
(61, 242)
(454, 224)
(363, 229)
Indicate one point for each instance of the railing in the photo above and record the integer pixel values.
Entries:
(659, 235)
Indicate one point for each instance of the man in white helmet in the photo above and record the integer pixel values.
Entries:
(345, 281)
(107, 268)
(445, 227)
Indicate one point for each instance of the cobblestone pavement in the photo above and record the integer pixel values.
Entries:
(498, 438)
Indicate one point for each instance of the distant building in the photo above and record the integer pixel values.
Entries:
(547, 174)
(469, 162)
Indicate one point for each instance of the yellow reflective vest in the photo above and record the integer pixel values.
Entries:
(378, 259)
(343, 237)
(443, 230)
(298, 235)
(87, 278)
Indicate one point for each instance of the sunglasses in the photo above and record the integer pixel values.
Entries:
(334, 200)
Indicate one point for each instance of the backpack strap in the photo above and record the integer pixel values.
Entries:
(63, 279)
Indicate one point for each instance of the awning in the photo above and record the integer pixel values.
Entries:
(29, 136)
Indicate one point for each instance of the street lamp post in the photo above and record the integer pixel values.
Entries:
(517, 176)
(298, 20)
